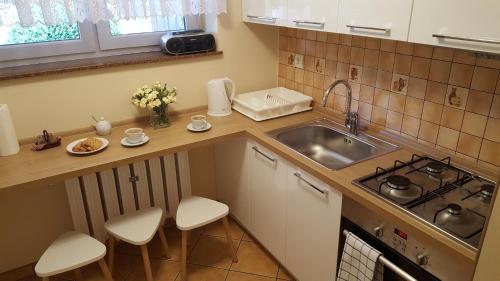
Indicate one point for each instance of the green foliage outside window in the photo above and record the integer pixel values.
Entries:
(43, 33)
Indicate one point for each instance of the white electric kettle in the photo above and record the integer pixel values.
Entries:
(219, 103)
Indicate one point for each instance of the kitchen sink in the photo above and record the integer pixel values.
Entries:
(330, 144)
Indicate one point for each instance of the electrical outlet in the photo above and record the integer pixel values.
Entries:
(298, 61)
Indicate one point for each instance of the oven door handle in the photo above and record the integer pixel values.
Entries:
(396, 269)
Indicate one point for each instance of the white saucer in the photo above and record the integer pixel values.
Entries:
(124, 142)
(190, 128)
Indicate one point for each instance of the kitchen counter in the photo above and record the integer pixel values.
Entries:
(55, 165)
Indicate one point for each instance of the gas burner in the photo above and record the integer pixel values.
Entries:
(454, 209)
(398, 182)
(435, 167)
(487, 190)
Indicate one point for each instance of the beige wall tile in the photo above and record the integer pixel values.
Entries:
(456, 97)
(371, 58)
(369, 76)
(372, 43)
(448, 138)
(310, 48)
(440, 53)
(356, 88)
(386, 61)
(461, 75)
(300, 46)
(344, 54)
(399, 83)
(489, 152)
(487, 62)
(484, 79)
(388, 45)
(469, 145)
(319, 65)
(342, 70)
(290, 73)
(498, 86)
(339, 103)
(355, 73)
(381, 98)
(428, 131)
(332, 51)
(474, 124)
(493, 130)
(410, 125)
(466, 57)
(310, 35)
(414, 107)
(358, 41)
(318, 80)
(432, 112)
(479, 102)
(435, 92)
(345, 39)
(384, 80)
(397, 102)
(321, 36)
(495, 107)
(394, 120)
(440, 71)
(292, 42)
(333, 38)
(301, 34)
(423, 51)
(357, 55)
(366, 94)
(420, 67)
(452, 118)
(330, 68)
(417, 87)
(365, 110)
(308, 90)
(379, 115)
(321, 50)
(299, 75)
(405, 48)
(309, 63)
(402, 64)
(309, 78)
(283, 43)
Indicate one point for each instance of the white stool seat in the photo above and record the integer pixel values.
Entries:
(137, 228)
(70, 251)
(194, 212)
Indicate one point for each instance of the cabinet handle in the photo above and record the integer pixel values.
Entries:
(319, 24)
(299, 176)
(386, 30)
(263, 154)
(479, 40)
(262, 18)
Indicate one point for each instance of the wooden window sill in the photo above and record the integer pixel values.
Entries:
(93, 63)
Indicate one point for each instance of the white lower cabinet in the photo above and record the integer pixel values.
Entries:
(267, 174)
(312, 228)
(293, 215)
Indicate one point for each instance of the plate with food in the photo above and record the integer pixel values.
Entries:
(87, 146)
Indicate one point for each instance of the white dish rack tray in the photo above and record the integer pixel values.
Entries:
(271, 103)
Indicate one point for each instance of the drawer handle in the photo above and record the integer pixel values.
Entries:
(263, 154)
(262, 18)
(319, 24)
(479, 40)
(386, 30)
(299, 176)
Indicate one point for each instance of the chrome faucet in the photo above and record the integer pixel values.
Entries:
(352, 118)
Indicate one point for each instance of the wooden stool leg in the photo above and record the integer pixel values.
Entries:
(78, 274)
(230, 243)
(184, 256)
(105, 270)
(147, 264)
(111, 254)
(45, 278)
(163, 240)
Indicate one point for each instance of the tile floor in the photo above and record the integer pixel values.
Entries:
(208, 259)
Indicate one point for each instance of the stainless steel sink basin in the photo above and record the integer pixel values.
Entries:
(329, 144)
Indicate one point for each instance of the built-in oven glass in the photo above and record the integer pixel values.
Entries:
(399, 260)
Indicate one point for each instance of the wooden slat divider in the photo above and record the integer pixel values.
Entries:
(94, 204)
(108, 186)
(76, 205)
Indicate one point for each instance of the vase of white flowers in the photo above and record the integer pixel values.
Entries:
(156, 98)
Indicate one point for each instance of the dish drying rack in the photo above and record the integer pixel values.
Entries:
(271, 103)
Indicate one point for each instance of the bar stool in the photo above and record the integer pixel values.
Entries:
(71, 251)
(137, 228)
(194, 212)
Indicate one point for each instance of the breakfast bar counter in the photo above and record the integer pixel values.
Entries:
(56, 165)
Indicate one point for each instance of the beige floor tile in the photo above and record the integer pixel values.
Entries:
(217, 229)
(162, 271)
(203, 273)
(283, 274)
(240, 276)
(211, 251)
(247, 237)
(252, 259)
(19, 273)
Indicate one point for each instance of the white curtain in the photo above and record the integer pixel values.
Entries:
(31, 12)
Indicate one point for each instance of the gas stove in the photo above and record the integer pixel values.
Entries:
(453, 200)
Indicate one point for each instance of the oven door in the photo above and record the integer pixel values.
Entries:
(399, 260)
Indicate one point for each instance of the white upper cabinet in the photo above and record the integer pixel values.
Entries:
(465, 24)
(318, 15)
(388, 19)
(272, 12)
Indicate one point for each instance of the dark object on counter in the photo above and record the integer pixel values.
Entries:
(45, 141)
(187, 42)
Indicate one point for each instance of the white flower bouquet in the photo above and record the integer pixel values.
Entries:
(156, 98)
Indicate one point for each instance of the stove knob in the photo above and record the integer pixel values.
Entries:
(379, 231)
(422, 259)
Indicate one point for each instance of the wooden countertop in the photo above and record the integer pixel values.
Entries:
(55, 165)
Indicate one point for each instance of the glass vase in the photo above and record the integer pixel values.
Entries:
(159, 117)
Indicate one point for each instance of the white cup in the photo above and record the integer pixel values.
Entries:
(134, 135)
(199, 122)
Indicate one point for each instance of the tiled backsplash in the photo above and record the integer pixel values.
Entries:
(445, 98)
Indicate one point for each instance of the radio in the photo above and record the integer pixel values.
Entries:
(187, 42)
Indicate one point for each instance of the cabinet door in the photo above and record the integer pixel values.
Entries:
(231, 169)
(313, 14)
(312, 228)
(383, 19)
(267, 178)
(461, 24)
(271, 12)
